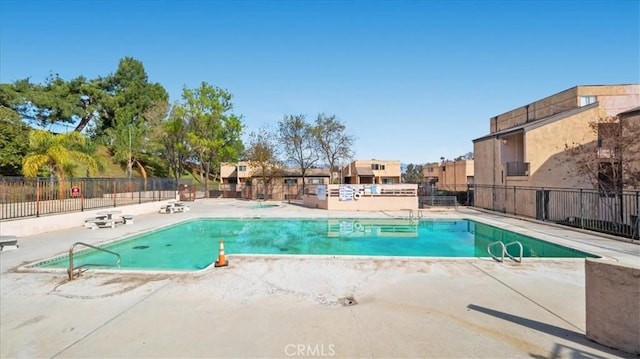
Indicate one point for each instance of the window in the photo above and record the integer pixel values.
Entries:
(387, 181)
(607, 132)
(290, 181)
(375, 166)
(315, 180)
(242, 168)
(587, 100)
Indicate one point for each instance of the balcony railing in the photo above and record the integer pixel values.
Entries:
(517, 168)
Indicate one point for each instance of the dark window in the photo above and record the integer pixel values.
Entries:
(607, 133)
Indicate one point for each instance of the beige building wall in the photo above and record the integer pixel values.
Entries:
(543, 146)
(431, 172)
(359, 171)
(612, 100)
(535, 138)
(546, 151)
(632, 119)
(486, 153)
(228, 172)
(390, 198)
(455, 175)
(249, 186)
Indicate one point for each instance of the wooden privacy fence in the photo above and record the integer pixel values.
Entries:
(33, 197)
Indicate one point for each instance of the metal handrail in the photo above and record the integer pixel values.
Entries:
(418, 214)
(72, 268)
(510, 256)
(505, 251)
(499, 259)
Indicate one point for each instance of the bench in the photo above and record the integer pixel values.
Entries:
(127, 219)
(10, 242)
(166, 209)
(180, 207)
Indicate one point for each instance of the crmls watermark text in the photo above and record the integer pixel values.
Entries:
(310, 350)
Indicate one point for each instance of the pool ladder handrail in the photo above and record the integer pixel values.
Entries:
(505, 251)
(418, 214)
(78, 268)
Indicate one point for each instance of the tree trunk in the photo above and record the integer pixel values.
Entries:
(207, 167)
(83, 123)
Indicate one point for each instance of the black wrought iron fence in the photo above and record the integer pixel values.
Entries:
(616, 213)
(33, 197)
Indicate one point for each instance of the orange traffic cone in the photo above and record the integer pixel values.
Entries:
(222, 261)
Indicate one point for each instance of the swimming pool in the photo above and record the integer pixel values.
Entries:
(194, 244)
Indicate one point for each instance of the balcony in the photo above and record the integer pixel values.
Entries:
(517, 168)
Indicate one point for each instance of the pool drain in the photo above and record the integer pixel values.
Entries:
(347, 301)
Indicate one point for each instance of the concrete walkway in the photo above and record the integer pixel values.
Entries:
(290, 306)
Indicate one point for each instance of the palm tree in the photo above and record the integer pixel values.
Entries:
(57, 153)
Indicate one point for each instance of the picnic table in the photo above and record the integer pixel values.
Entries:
(102, 219)
(173, 207)
(107, 214)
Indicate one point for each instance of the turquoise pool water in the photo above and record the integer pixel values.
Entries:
(194, 244)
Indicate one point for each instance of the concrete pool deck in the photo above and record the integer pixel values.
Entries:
(289, 306)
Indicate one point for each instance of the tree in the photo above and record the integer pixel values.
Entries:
(299, 143)
(134, 112)
(413, 174)
(14, 141)
(56, 101)
(466, 156)
(176, 146)
(59, 154)
(612, 163)
(334, 143)
(127, 142)
(262, 155)
(131, 93)
(214, 132)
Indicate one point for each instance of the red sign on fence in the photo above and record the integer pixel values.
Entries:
(75, 191)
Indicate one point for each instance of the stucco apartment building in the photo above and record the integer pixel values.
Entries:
(452, 176)
(528, 146)
(240, 180)
(372, 172)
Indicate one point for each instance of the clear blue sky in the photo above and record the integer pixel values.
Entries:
(412, 80)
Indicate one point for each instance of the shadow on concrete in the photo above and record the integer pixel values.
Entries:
(559, 332)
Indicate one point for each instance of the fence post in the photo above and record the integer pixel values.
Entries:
(114, 192)
(515, 212)
(544, 205)
(581, 209)
(82, 188)
(636, 225)
(37, 197)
